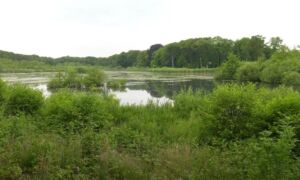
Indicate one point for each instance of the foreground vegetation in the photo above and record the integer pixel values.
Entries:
(235, 132)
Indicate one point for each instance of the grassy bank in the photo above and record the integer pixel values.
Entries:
(235, 132)
(30, 66)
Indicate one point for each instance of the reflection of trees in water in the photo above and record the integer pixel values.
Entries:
(162, 88)
(159, 88)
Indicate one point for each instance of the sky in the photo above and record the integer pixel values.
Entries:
(105, 27)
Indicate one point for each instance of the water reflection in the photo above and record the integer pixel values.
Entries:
(142, 92)
(168, 89)
(43, 88)
(138, 97)
(141, 87)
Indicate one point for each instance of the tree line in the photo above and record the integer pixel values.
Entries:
(191, 53)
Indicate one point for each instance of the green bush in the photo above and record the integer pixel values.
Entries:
(228, 69)
(231, 111)
(117, 84)
(282, 67)
(187, 101)
(57, 82)
(72, 79)
(94, 78)
(278, 68)
(248, 72)
(266, 157)
(76, 112)
(23, 100)
(271, 73)
(291, 78)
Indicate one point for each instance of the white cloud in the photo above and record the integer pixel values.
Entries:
(101, 28)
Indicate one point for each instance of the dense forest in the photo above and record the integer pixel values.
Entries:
(191, 53)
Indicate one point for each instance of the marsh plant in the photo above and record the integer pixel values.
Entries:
(234, 132)
(78, 79)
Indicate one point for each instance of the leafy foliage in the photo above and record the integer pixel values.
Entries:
(249, 72)
(237, 131)
(22, 99)
(72, 79)
(291, 78)
(228, 70)
(282, 67)
(76, 112)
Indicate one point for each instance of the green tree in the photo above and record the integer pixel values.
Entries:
(228, 69)
(275, 43)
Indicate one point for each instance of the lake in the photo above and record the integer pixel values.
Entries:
(141, 87)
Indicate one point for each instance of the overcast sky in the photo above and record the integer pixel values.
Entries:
(105, 27)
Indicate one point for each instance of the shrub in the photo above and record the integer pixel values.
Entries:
(266, 157)
(57, 82)
(291, 78)
(117, 84)
(285, 102)
(23, 100)
(76, 112)
(271, 73)
(228, 69)
(187, 101)
(72, 80)
(231, 111)
(94, 78)
(248, 72)
(279, 66)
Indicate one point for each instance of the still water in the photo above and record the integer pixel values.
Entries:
(141, 87)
